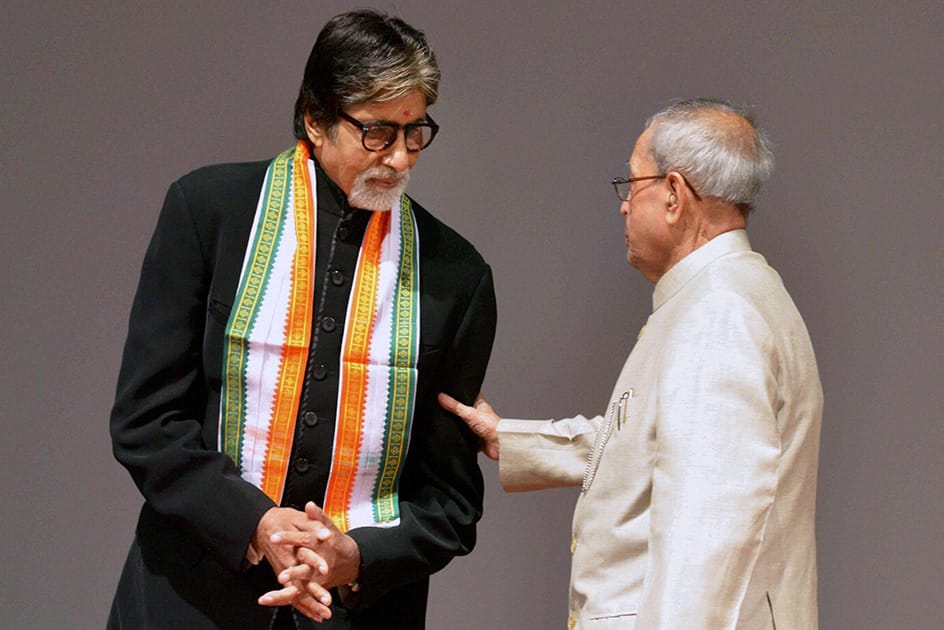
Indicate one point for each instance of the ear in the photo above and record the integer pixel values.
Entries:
(314, 132)
(675, 202)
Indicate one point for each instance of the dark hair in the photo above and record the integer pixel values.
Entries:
(363, 56)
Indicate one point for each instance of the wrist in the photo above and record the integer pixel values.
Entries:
(353, 554)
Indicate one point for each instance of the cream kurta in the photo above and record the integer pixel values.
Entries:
(699, 479)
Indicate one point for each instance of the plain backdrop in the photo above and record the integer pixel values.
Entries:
(105, 103)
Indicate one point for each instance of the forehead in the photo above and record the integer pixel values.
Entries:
(641, 158)
(407, 108)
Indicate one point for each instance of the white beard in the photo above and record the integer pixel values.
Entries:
(368, 197)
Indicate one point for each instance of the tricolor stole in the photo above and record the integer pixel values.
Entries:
(267, 344)
(378, 375)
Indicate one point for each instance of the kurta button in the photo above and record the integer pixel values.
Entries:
(344, 232)
(573, 544)
(337, 277)
(302, 465)
(571, 621)
(328, 324)
(310, 418)
(319, 372)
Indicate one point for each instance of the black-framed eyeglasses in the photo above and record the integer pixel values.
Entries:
(378, 136)
(624, 185)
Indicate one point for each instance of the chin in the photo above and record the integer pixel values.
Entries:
(376, 198)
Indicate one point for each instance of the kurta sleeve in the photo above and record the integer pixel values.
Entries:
(715, 473)
(538, 454)
(160, 405)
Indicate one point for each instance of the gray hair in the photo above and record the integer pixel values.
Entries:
(364, 56)
(717, 147)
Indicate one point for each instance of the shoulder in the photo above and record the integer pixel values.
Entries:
(741, 281)
(722, 304)
(211, 203)
(735, 303)
(443, 250)
(218, 195)
(220, 183)
(749, 283)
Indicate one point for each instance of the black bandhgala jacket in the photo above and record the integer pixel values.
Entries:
(186, 567)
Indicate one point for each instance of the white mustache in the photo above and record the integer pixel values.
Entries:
(385, 172)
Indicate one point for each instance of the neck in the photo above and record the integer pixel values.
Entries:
(710, 221)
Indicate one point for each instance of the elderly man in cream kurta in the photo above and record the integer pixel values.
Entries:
(698, 479)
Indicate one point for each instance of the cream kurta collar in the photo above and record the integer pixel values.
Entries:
(687, 268)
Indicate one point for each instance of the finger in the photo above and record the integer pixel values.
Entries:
(300, 538)
(490, 448)
(466, 414)
(479, 417)
(320, 593)
(281, 597)
(280, 557)
(312, 609)
(313, 598)
(300, 573)
(482, 420)
(451, 405)
(312, 560)
(315, 513)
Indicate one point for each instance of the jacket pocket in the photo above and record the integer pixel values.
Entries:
(770, 604)
(428, 357)
(219, 311)
(621, 620)
(217, 317)
(616, 416)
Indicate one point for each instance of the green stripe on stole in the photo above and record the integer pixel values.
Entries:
(252, 287)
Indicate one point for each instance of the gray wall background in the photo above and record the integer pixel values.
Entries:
(104, 104)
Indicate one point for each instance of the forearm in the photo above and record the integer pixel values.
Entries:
(159, 420)
(197, 489)
(538, 454)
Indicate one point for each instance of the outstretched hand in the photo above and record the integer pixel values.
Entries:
(480, 417)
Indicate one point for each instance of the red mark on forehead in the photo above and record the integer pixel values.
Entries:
(407, 112)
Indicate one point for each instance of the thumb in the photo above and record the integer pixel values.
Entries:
(482, 405)
(315, 513)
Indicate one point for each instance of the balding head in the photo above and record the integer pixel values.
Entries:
(694, 174)
(716, 146)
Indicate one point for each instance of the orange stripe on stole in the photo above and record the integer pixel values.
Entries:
(354, 359)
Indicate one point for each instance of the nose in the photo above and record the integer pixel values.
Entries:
(624, 208)
(396, 155)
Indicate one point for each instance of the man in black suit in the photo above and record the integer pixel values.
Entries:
(276, 404)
